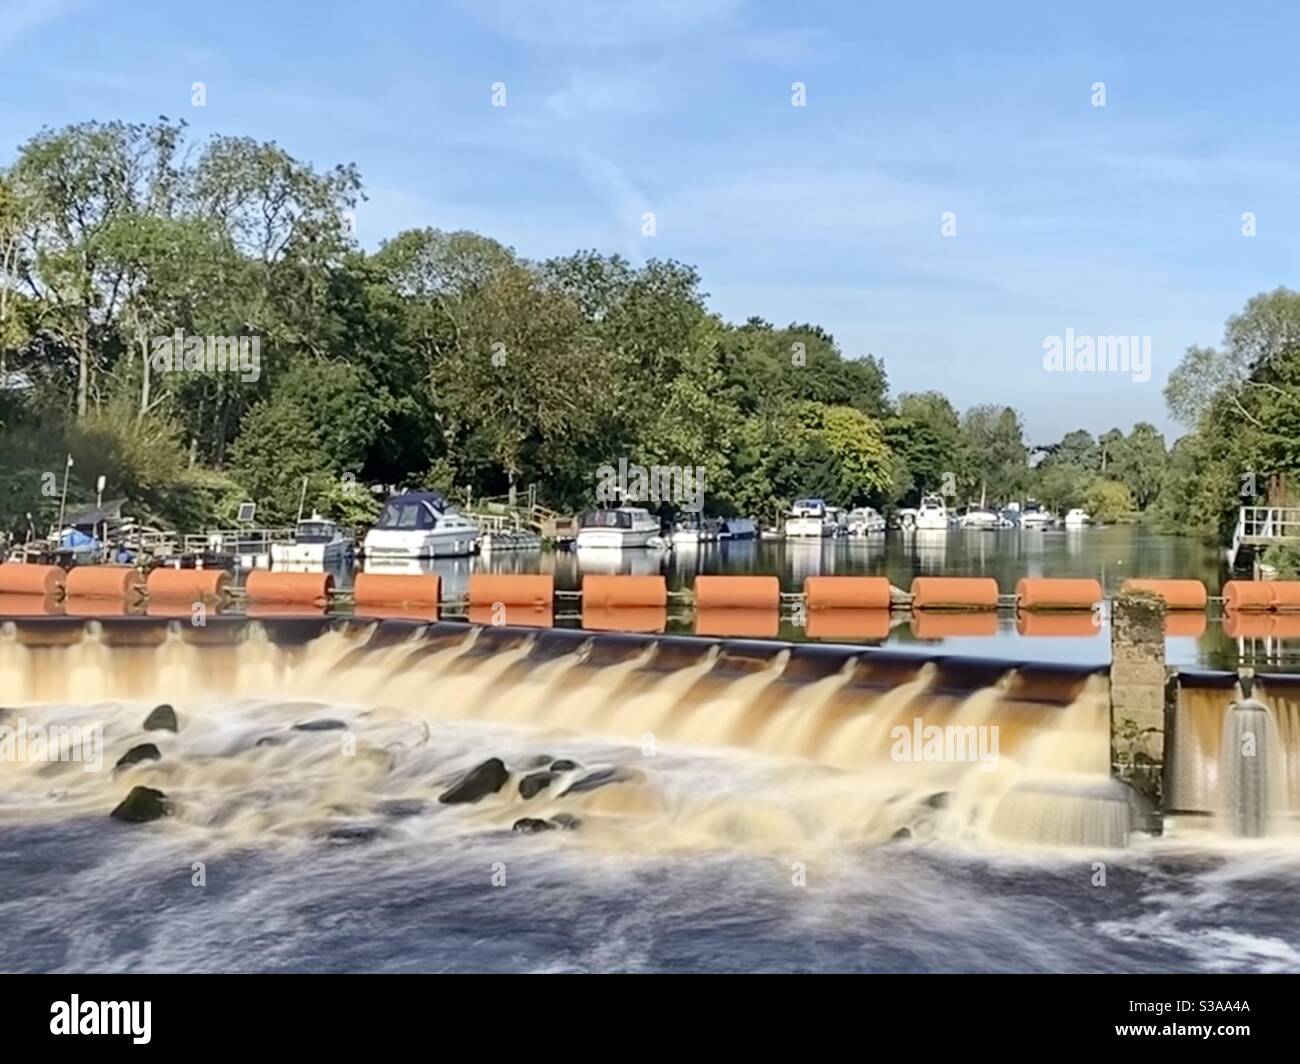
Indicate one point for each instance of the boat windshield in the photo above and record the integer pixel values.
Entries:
(314, 532)
(407, 515)
(606, 519)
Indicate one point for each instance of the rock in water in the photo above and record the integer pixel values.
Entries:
(600, 778)
(540, 761)
(564, 765)
(531, 825)
(484, 779)
(567, 821)
(141, 805)
(143, 752)
(532, 785)
(320, 725)
(163, 718)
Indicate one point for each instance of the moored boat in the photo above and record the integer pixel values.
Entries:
(421, 524)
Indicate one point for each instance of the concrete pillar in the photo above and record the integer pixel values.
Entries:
(1138, 691)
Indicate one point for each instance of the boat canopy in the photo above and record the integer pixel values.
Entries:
(413, 511)
(315, 531)
(607, 519)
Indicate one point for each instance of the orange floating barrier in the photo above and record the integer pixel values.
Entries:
(1185, 623)
(13, 604)
(954, 593)
(737, 621)
(1040, 593)
(18, 578)
(846, 593)
(512, 589)
(623, 618)
(943, 625)
(1178, 594)
(1039, 623)
(848, 623)
(105, 582)
(604, 590)
(387, 589)
(500, 614)
(187, 585)
(1279, 595)
(737, 592)
(265, 588)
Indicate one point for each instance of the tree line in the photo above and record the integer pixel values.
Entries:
(444, 360)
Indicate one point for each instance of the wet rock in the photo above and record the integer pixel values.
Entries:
(481, 780)
(901, 835)
(600, 778)
(565, 765)
(540, 761)
(321, 725)
(143, 752)
(142, 805)
(531, 826)
(939, 800)
(353, 833)
(567, 821)
(399, 808)
(163, 718)
(533, 784)
(271, 740)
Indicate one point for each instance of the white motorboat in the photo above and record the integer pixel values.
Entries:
(420, 524)
(1035, 518)
(692, 532)
(624, 528)
(979, 519)
(865, 521)
(317, 541)
(1077, 519)
(809, 519)
(930, 516)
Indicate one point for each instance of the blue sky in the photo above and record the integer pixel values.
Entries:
(1116, 220)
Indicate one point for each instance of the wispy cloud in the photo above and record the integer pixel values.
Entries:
(17, 17)
(604, 23)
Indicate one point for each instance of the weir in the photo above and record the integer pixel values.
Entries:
(917, 746)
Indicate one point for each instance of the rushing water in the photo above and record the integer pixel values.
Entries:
(758, 818)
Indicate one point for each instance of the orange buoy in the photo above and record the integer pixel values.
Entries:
(18, 578)
(737, 593)
(105, 582)
(621, 590)
(187, 585)
(1178, 594)
(954, 593)
(1040, 593)
(1260, 595)
(872, 624)
(623, 618)
(265, 588)
(737, 621)
(1039, 623)
(937, 624)
(512, 589)
(388, 589)
(846, 592)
